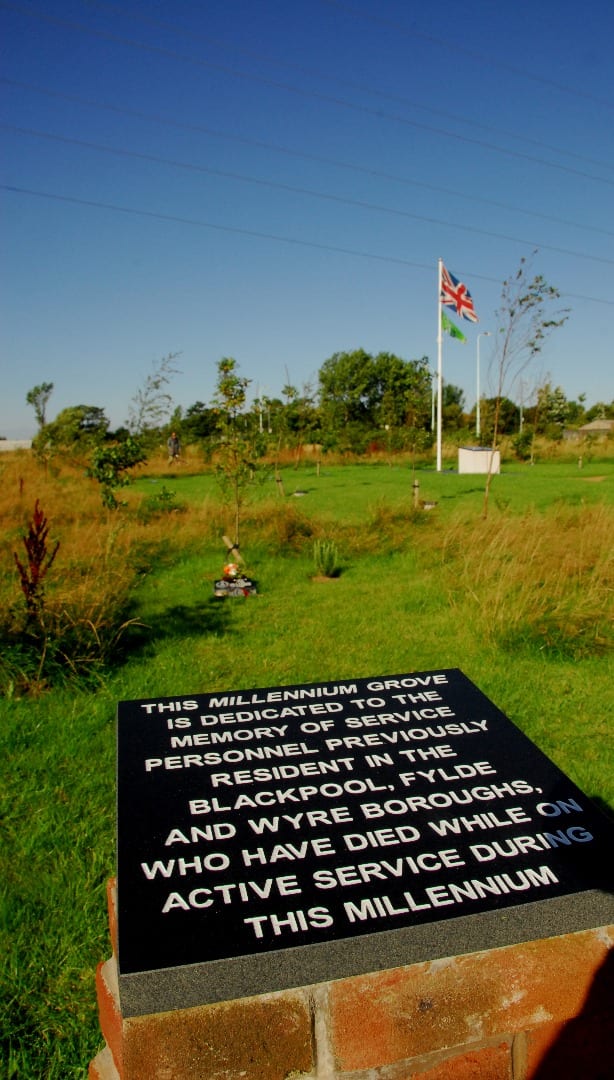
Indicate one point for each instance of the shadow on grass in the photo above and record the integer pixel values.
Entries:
(175, 623)
(461, 494)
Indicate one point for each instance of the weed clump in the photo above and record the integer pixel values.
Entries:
(160, 503)
(326, 558)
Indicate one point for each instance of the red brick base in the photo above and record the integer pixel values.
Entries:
(536, 1011)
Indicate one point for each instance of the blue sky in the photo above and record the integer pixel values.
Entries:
(276, 181)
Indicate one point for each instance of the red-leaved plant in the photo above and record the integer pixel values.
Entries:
(40, 559)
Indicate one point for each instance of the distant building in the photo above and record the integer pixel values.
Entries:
(15, 444)
(597, 428)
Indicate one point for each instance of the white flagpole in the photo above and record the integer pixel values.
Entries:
(439, 351)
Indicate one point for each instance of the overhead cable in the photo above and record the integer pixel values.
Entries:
(138, 212)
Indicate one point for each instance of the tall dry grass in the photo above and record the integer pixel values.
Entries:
(540, 579)
(87, 600)
(543, 580)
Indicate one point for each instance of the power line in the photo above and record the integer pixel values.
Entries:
(326, 196)
(456, 47)
(211, 225)
(376, 113)
(302, 155)
(174, 218)
(320, 74)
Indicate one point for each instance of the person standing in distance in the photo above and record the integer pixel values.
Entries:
(174, 447)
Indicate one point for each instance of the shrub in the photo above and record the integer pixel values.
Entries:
(522, 443)
(160, 502)
(110, 466)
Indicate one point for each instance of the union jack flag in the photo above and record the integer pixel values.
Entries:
(456, 295)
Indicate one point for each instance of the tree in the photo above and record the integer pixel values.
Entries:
(576, 410)
(508, 416)
(552, 407)
(38, 398)
(75, 429)
(600, 411)
(347, 380)
(199, 422)
(238, 448)
(298, 418)
(452, 405)
(401, 394)
(362, 394)
(77, 423)
(525, 322)
(152, 403)
(452, 395)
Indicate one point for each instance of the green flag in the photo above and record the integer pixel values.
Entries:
(450, 328)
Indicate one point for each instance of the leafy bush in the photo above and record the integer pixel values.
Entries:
(523, 443)
(110, 465)
(160, 502)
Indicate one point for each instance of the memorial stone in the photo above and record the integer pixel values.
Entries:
(289, 835)
(239, 586)
(234, 583)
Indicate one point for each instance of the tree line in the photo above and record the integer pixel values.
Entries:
(362, 402)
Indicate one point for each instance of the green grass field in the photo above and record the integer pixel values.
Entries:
(521, 602)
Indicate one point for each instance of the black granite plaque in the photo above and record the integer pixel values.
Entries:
(283, 836)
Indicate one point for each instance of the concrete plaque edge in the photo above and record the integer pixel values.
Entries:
(211, 982)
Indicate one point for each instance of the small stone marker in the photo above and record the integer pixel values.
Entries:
(239, 586)
(284, 836)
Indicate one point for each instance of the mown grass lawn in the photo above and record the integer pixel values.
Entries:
(521, 602)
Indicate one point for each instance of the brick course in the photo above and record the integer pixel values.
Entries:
(540, 1010)
(390, 1015)
(488, 1063)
